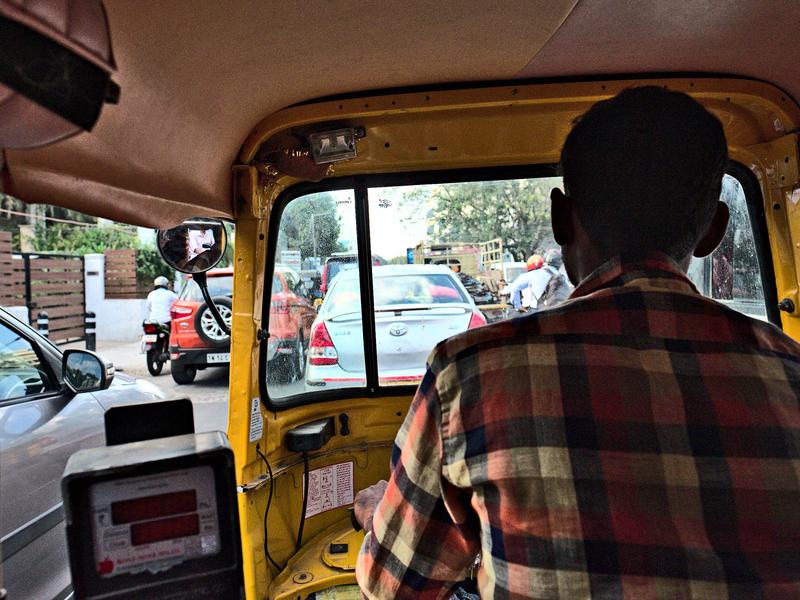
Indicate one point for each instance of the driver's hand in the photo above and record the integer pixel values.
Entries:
(367, 501)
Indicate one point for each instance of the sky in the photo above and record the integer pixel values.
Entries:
(391, 234)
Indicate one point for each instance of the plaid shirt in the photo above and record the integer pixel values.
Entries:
(639, 441)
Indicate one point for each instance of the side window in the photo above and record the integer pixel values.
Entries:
(732, 275)
(21, 372)
(316, 345)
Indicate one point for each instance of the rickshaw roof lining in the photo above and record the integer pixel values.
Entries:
(196, 77)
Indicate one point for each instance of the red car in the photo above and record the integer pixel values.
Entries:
(196, 340)
(290, 318)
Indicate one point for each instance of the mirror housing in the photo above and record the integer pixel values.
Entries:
(85, 371)
(195, 246)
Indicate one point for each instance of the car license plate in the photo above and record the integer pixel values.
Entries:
(219, 357)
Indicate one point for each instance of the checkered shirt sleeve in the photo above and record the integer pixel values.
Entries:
(421, 543)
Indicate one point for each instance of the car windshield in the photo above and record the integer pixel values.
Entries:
(217, 286)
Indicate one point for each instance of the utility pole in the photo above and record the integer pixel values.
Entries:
(314, 230)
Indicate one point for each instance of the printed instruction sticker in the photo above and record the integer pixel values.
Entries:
(329, 487)
(256, 420)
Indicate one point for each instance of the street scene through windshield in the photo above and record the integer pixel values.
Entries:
(446, 258)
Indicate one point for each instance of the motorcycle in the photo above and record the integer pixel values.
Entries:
(155, 345)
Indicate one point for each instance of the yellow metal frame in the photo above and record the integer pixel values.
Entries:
(423, 131)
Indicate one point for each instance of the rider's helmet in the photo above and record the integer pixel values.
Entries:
(553, 258)
(160, 281)
(535, 262)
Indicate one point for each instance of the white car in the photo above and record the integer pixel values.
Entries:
(416, 306)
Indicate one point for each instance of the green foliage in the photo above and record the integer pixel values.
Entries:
(150, 265)
(70, 239)
(517, 211)
(310, 224)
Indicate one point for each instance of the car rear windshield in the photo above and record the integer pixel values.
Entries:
(335, 267)
(217, 286)
(396, 290)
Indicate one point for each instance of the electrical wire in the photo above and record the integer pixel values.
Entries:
(18, 213)
(266, 510)
(305, 504)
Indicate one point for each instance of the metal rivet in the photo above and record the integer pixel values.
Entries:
(302, 577)
(786, 305)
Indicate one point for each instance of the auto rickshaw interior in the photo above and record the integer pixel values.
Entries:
(415, 195)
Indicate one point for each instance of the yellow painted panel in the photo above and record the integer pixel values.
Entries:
(493, 126)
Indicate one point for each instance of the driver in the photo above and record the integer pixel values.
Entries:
(159, 301)
(637, 441)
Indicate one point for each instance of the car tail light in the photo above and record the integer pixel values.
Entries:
(279, 307)
(176, 312)
(477, 320)
(150, 328)
(321, 350)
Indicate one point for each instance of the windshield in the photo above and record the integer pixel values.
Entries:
(456, 258)
(217, 286)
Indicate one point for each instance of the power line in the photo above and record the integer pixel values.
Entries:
(57, 220)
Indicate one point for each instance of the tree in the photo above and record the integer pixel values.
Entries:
(150, 265)
(74, 239)
(311, 224)
(517, 211)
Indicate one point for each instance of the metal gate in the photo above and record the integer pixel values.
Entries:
(54, 284)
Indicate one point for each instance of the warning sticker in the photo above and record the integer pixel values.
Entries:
(256, 421)
(329, 487)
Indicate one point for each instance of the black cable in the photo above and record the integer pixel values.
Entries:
(305, 503)
(266, 510)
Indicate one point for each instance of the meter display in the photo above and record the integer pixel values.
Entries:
(154, 522)
(154, 519)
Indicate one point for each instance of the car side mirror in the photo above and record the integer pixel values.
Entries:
(85, 371)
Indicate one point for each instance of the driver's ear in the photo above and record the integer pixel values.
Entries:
(715, 233)
(561, 217)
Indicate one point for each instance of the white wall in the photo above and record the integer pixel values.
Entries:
(117, 320)
(120, 320)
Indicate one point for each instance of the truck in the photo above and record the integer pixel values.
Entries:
(481, 266)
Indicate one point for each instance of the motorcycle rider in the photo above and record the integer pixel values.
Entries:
(532, 290)
(521, 286)
(159, 301)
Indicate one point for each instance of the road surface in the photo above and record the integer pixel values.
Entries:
(208, 393)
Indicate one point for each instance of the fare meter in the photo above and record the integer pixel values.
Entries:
(154, 519)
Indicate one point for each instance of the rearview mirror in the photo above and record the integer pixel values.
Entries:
(84, 371)
(194, 246)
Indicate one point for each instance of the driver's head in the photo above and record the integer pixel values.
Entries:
(160, 282)
(642, 172)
